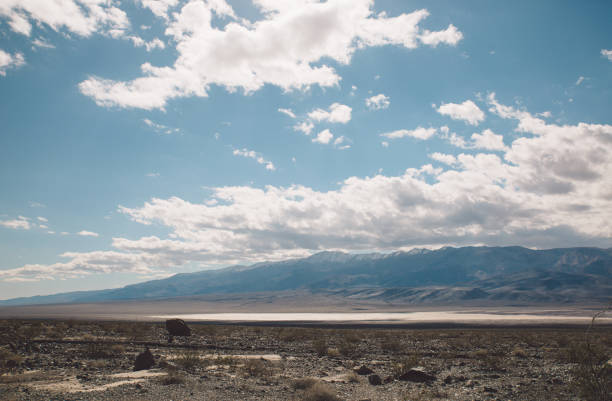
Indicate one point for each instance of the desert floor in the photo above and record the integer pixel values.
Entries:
(94, 360)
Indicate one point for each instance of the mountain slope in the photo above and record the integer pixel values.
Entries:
(496, 273)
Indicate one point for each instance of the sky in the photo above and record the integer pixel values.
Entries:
(143, 138)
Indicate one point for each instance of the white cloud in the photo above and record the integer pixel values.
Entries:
(287, 112)
(20, 223)
(488, 140)
(450, 36)
(550, 188)
(284, 48)
(155, 43)
(255, 156)
(385, 144)
(44, 220)
(444, 158)
(324, 137)
(485, 140)
(338, 113)
(305, 126)
(579, 80)
(8, 61)
(41, 43)
(153, 175)
(545, 114)
(418, 133)
(81, 17)
(607, 54)
(159, 7)
(85, 233)
(160, 127)
(466, 111)
(377, 102)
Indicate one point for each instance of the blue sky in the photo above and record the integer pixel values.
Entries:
(147, 137)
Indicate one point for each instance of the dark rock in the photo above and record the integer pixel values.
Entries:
(364, 370)
(374, 380)
(177, 327)
(417, 376)
(388, 379)
(144, 360)
(490, 390)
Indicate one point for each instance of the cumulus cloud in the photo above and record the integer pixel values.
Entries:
(607, 54)
(155, 43)
(20, 223)
(8, 61)
(159, 7)
(337, 113)
(418, 133)
(255, 156)
(285, 48)
(85, 233)
(305, 127)
(80, 17)
(466, 111)
(487, 139)
(450, 36)
(550, 187)
(377, 102)
(324, 137)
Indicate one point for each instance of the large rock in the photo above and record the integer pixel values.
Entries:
(364, 370)
(374, 380)
(417, 376)
(144, 360)
(177, 327)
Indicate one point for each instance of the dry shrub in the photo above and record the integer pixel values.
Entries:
(320, 347)
(391, 344)
(256, 368)
(404, 365)
(303, 383)
(9, 361)
(319, 392)
(190, 361)
(173, 377)
(333, 352)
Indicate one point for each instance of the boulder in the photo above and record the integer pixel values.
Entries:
(374, 380)
(144, 360)
(364, 370)
(177, 327)
(417, 376)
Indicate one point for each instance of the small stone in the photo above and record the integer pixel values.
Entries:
(374, 380)
(417, 376)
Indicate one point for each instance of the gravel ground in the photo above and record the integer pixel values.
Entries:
(78, 360)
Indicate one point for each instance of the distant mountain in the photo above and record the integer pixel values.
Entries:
(447, 275)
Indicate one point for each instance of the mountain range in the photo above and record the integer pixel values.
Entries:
(485, 275)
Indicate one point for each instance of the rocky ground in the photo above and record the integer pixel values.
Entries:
(78, 360)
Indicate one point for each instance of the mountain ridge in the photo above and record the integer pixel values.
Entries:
(487, 273)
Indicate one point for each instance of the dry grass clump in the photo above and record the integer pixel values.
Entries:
(303, 383)
(320, 347)
(404, 365)
(319, 392)
(173, 377)
(333, 352)
(256, 368)
(314, 390)
(9, 361)
(190, 361)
